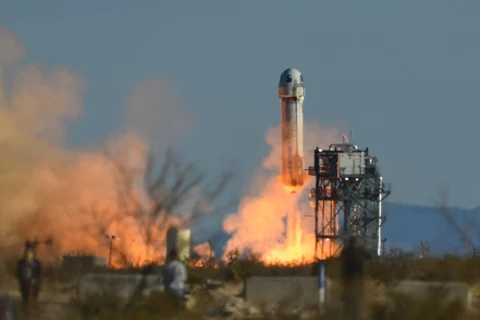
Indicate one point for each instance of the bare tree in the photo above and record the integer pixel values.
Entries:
(153, 197)
(463, 225)
(166, 190)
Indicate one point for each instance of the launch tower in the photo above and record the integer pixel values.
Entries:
(347, 197)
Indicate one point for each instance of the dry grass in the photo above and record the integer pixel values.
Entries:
(378, 272)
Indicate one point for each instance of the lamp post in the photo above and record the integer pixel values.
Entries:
(131, 258)
(110, 238)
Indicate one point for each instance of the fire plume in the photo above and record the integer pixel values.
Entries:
(274, 220)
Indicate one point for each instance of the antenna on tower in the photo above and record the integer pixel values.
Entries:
(351, 135)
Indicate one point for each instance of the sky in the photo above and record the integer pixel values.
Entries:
(405, 75)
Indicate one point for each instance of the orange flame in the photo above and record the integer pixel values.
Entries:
(259, 223)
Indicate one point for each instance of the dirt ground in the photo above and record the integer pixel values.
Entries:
(51, 304)
(217, 300)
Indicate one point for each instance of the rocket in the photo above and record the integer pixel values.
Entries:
(291, 92)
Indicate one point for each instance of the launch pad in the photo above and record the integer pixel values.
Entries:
(349, 189)
(347, 197)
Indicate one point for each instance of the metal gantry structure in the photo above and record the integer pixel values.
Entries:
(347, 198)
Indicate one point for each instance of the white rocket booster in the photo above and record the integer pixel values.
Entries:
(291, 92)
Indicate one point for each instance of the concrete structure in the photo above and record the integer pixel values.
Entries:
(121, 286)
(83, 263)
(275, 290)
(178, 238)
(305, 290)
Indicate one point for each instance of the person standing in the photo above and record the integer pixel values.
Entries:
(174, 274)
(28, 274)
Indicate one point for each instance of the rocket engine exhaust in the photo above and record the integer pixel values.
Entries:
(291, 92)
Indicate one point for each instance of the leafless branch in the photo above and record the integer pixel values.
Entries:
(453, 221)
(153, 197)
(166, 190)
(212, 191)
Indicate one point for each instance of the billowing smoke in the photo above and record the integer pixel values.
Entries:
(13, 50)
(259, 225)
(72, 196)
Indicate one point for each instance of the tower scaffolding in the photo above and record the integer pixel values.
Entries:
(347, 198)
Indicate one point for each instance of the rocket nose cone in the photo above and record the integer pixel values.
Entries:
(291, 71)
(290, 75)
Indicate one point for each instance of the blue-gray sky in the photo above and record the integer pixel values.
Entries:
(404, 74)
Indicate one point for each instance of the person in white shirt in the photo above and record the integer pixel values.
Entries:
(174, 274)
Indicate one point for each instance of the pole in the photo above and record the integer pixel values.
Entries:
(383, 247)
(316, 165)
(130, 255)
(110, 253)
(380, 217)
(210, 255)
(110, 238)
(321, 282)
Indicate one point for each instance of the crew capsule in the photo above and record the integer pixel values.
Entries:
(291, 92)
(291, 84)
